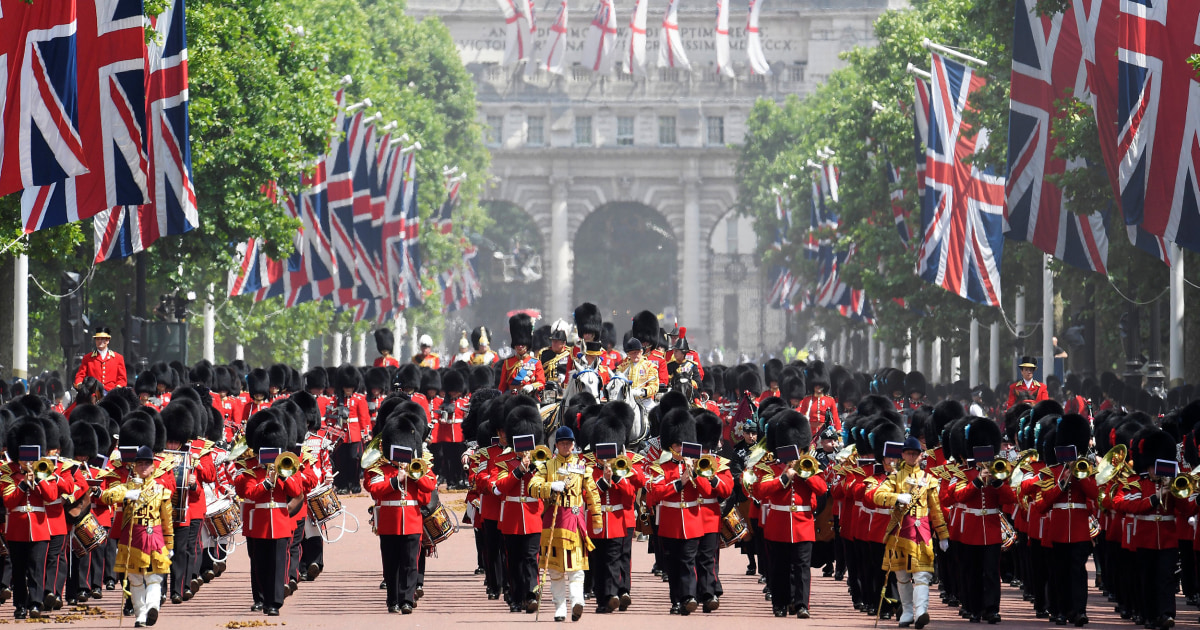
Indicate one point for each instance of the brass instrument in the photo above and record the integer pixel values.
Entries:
(240, 449)
(43, 469)
(621, 466)
(846, 453)
(286, 464)
(1182, 486)
(1082, 468)
(706, 466)
(541, 454)
(1001, 469)
(372, 453)
(806, 466)
(1018, 475)
(417, 469)
(1111, 464)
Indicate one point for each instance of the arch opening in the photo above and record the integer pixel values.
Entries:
(626, 260)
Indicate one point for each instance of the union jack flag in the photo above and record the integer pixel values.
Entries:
(255, 271)
(319, 258)
(921, 105)
(339, 170)
(1047, 55)
(962, 218)
(812, 246)
(1160, 190)
(896, 194)
(112, 115)
(367, 239)
(171, 209)
(39, 125)
(445, 222)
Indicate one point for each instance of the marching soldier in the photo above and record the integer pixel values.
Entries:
(522, 372)
(146, 536)
(617, 490)
(982, 498)
(481, 342)
(1027, 389)
(399, 490)
(520, 511)
(26, 529)
(566, 482)
(348, 414)
(642, 374)
(556, 359)
(708, 552)
(913, 496)
(426, 357)
(103, 364)
(385, 343)
(675, 497)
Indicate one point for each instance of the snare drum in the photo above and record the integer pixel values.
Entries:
(733, 529)
(224, 518)
(88, 535)
(323, 504)
(439, 525)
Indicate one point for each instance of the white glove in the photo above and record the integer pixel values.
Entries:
(640, 392)
(132, 495)
(496, 491)
(944, 544)
(904, 499)
(529, 388)
(597, 530)
(1192, 521)
(171, 554)
(558, 486)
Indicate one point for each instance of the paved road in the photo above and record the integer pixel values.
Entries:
(347, 596)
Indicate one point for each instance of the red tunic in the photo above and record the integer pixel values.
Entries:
(1149, 526)
(1068, 513)
(517, 372)
(387, 362)
(109, 369)
(26, 519)
(449, 429)
(398, 511)
(982, 508)
(815, 407)
(1035, 393)
(677, 504)
(265, 510)
(520, 513)
(788, 506)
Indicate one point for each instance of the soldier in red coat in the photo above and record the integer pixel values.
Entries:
(399, 491)
(103, 364)
(819, 407)
(645, 328)
(349, 413)
(521, 373)
(385, 343)
(26, 529)
(708, 579)
(1027, 389)
(609, 564)
(789, 499)
(983, 500)
(520, 510)
(266, 522)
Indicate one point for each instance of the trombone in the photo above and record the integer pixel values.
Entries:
(621, 466)
(43, 469)
(541, 454)
(417, 469)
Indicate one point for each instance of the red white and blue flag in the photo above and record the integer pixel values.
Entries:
(1158, 118)
(112, 115)
(921, 106)
(445, 220)
(39, 124)
(339, 170)
(962, 218)
(171, 206)
(896, 194)
(1047, 58)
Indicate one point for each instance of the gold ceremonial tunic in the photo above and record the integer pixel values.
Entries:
(145, 533)
(912, 530)
(641, 373)
(565, 543)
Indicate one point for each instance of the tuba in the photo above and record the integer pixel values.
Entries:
(1111, 464)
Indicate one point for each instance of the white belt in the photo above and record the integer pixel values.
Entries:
(612, 508)
(1069, 506)
(879, 511)
(54, 502)
(709, 501)
(522, 499)
(1157, 518)
(268, 506)
(677, 504)
(789, 508)
(29, 508)
(980, 512)
(397, 503)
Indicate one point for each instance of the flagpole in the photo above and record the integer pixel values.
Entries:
(973, 365)
(1020, 321)
(20, 357)
(1175, 326)
(924, 74)
(930, 45)
(871, 364)
(1047, 319)
(935, 361)
(210, 326)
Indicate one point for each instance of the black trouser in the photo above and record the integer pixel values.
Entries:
(294, 551)
(400, 559)
(57, 565)
(681, 566)
(185, 546)
(494, 572)
(1157, 568)
(871, 573)
(29, 571)
(110, 557)
(839, 548)
(522, 554)
(852, 572)
(790, 573)
(1037, 575)
(1187, 568)
(268, 569)
(625, 583)
(981, 572)
(346, 457)
(1069, 577)
(708, 567)
(312, 551)
(604, 564)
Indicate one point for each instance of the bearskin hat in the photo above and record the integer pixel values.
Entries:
(90, 414)
(788, 427)
(25, 432)
(608, 335)
(1074, 430)
(882, 432)
(398, 430)
(588, 320)
(815, 375)
(138, 430)
(983, 432)
(946, 412)
(524, 420)
(677, 426)
(453, 381)
(773, 371)
(258, 383)
(179, 421)
(708, 428)
(270, 433)
(431, 380)
(672, 400)
(610, 424)
(920, 426)
(83, 437)
(520, 330)
(748, 380)
(278, 375)
(792, 388)
(222, 379)
(346, 377)
(202, 374)
(1151, 444)
(480, 337)
(377, 379)
(476, 416)
(146, 383)
(385, 341)
(315, 379)
(408, 377)
(481, 377)
(1046, 408)
(914, 382)
(645, 328)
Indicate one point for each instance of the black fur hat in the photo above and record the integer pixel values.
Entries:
(1074, 430)
(476, 415)
(645, 328)
(920, 426)
(83, 436)
(815, 375)
(524, 420)
(1151, 444)
(708, 428)
(773, 372)
(792, 388)
(482, 377)
(398, 430)
(223, 377)
(588, 320)
(138, 431)
(90, 414)
(346, 377)
(146, 383)
(271, 433)
(914, 382)
(409, 377)
(453, 381)
(377, 378)
(431, 380)
(385, 341)
(279, 374)
(258, 383)
(677, 426)
(202, 374)
(520, 330)
(748, 380)
(179, 421)
(608, 335)
(25, 432)
(315, 379)
(982, 432)
(611, 423)
(882, 432)
(671, 401)
(481, 336)
(946, 412)
(788, 427)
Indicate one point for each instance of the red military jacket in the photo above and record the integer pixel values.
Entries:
(358, 423)
(872, 520)
(250, 408)
(517, 372)
(203, 471)
(814, 408)
(231, 412)
(1068, 512)
(1151, 523)
(398, 504)
(265, 508)
(520, 513)
(710, 507)
(26, 505)
(483, 480)
(658, 357)
(613, 500)
(448, 429)
(108, 369)
(677, 504)
(386, 362)
(788, 506)
(68, 489)
(1035, 393)
(982, 507)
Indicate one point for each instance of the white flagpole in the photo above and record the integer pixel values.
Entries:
(930, 45)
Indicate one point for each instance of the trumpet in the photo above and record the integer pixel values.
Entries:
(416, 468)
(541, 454)
(372, 453)
(1001, 469)
(1082, 468)
(43, 469)
(806, 466)
(621, 466)
(286, 464)
(706, 466)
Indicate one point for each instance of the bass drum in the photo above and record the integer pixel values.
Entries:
(439, 525)
(733, 529)
(88, 534)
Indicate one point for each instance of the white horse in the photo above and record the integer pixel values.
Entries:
(583, 379)
(620, 390)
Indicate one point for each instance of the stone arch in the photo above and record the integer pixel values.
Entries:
(625, 260)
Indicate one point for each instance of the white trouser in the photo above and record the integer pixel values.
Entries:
(904, 585)
(921, 582)
(559, 583)
(145, 589)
